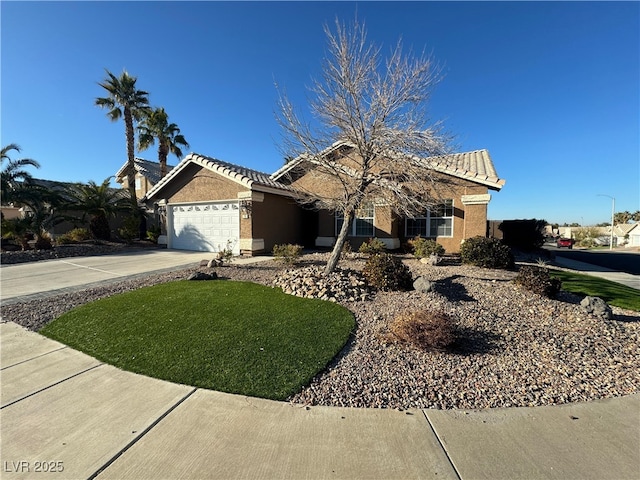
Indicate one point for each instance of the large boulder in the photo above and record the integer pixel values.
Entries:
(597, 307)
(422, 285)
(203, 276)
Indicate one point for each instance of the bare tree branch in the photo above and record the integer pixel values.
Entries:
(371, 138)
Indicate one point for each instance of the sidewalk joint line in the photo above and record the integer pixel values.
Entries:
(444, 450)
(33, 358)
(50, 386)
(142, 434)
(93, 268)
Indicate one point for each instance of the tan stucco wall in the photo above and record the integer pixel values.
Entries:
(468, 220)
(277, 220)
(200, 185)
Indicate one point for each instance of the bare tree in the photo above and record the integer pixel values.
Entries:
(371, 135)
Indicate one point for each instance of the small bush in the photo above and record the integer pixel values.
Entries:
(372, 246)
(423, 247)
(43, 242)
(74, 236)
(426, 329)
(346, 249)
(225, 255)
(130, 229)
(486, 253)
(153, 233)
(386, 272)
(538, 280)
(288, 253)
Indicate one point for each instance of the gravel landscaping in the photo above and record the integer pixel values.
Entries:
(515, 349)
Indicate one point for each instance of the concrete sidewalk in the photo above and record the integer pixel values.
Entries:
(31, 281)
(85, 419)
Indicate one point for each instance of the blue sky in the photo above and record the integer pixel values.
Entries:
(551, 89)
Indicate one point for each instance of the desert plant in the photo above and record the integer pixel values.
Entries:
(423, 247)
(225, 255)
(43, 242)
(387, 273)
(74, 236)
(429, 330)
(153, 233)
(486, 253)
(586, 236)
(130, 228)
(18, 229)
(287, 253)
(538, 280)
(100, 203)
(372, 246)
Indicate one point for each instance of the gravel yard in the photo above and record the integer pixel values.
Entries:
(516, 348)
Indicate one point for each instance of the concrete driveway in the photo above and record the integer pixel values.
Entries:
(28, 281)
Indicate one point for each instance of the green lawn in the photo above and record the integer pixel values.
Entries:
(235, 337)
(611, 292)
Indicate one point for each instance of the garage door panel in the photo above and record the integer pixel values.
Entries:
(205, 227)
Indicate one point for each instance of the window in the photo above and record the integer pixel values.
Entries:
(362, 225)
(438, 222)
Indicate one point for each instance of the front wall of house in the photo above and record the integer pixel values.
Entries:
(203, 185)
(468, 220)
(276, 220)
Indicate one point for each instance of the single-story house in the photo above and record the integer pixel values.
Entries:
(626, 234)
(147, 175)
(208, 205)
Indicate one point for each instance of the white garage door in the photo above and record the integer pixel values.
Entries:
(205, 227)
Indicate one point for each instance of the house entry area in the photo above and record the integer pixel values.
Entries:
(204, 227)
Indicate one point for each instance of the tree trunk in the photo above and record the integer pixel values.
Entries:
(342, 237)
(131, 166)
(163, 153)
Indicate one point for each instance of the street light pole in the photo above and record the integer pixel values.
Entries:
(613, 209)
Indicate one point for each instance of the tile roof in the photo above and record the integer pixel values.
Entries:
(475, 166)
(622, 229)
(251, 179)
(146, 168)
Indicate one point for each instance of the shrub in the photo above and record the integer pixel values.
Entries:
(372, 246)
(486, 253)
(537, 279)
(43, 242)
(426, 329)
(225, 254)
(130, 229)
(153, 233)
(288, 253)
(386, 272)
(74, 236)
(423, 247)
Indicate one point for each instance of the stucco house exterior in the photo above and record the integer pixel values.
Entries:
(207, 205)
(626, 234)
(147, 175)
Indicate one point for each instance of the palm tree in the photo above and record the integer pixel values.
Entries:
(100, 202)
(125, 101)
(155, 125)
(13, 172)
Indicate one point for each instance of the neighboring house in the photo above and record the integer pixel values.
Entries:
(634, 237)
(207, 204)
(626, 234)
(147, 175)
